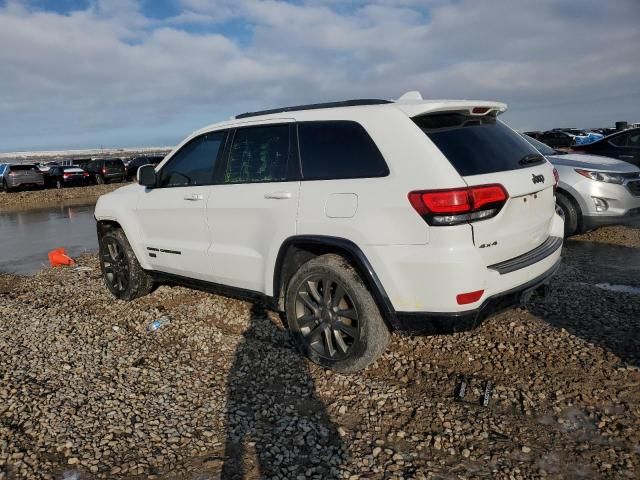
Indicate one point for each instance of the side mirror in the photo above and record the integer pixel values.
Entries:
(147, 176)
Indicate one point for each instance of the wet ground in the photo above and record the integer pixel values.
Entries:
(26, 236)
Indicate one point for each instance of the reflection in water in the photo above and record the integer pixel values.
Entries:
(27, 236)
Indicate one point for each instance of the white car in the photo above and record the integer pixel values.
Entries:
(354, 218)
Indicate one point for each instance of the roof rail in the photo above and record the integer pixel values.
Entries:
(315, 106)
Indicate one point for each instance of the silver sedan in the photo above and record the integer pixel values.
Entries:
(593, 190)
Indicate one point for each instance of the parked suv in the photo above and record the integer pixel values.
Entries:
(109, 170)
(593, 190)
(14, 176)
(353, 218)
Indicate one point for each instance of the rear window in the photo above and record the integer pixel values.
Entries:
(113, 163)
(477, 145)
(18, 168)
(338, 149)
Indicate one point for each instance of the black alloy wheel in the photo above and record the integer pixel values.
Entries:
(327, 317)
(115, 265)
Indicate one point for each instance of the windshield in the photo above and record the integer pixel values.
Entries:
(478, 144)
(541, 147)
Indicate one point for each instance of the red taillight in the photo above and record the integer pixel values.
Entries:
(464, 298)
(459, 205)
(104, 170)
(66, 175)
(85, 174)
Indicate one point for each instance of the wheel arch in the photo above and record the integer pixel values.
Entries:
(572, 197)
(105, 224)
(299, 249)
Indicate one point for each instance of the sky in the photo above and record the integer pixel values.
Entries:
(126, 73)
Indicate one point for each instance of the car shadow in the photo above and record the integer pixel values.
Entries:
(596, 296)
(277, 426)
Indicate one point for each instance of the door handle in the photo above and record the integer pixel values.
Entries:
(194, 197)
(278, 195)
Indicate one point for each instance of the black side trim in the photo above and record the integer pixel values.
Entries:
(362, 264)
(429, 323)
(316, 106)
(211, 287)
(549, 246)
(174, 252)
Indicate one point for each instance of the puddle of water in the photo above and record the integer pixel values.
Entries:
(26, 236)
(619, 288)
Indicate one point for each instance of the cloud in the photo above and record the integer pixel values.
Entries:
(108, 74)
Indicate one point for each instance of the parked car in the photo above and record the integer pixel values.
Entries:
(15, 176)
(353, 218)
(624, 145)
(109, 170)
(593, 190)
(131, 166)
(556, 139)
(61, 177)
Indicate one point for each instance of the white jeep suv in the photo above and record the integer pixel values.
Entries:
(353, 218)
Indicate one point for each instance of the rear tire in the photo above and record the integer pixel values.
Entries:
(333, 317)
(58, 184)
(100, 180)
(571, 214)
(121, 271)
(5, 188)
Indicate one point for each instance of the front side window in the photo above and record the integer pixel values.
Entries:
(259, 154)
(194, 163)
(338, 149)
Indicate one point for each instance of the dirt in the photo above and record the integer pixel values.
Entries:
(52, 196)
(221, 392)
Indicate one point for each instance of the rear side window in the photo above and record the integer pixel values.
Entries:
(22, 168)
(259, 154)
(338, 149)
(194, 163)
(477, 145)
(619, 141)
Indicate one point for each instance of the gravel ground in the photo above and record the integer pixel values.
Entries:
(221, 392)
(52, 197)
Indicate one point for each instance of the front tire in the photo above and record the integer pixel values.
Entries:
(121, 271)
(570, 212)
(333, 317)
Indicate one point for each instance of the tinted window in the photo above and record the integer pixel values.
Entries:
(21, 168)
(1, 169)
(338, 149)
(194, 163)
(541, 147)
(477, 145)
(619, 141)
(633, 140)
(259, 154)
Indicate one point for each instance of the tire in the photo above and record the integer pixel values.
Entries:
(570, 212)
(121, 271)
(100, 180)
(58, 184)
(5, 188)
(344, 343)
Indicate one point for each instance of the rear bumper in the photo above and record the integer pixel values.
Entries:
(428, 323)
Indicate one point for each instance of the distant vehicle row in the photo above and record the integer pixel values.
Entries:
(54, 175)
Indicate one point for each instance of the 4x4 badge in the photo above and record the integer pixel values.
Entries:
(537, 178)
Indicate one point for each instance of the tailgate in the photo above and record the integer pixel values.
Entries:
(486, 152)
(524, 221)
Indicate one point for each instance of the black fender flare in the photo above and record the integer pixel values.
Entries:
(353, 253)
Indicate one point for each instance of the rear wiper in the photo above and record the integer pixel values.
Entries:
(531, 158)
